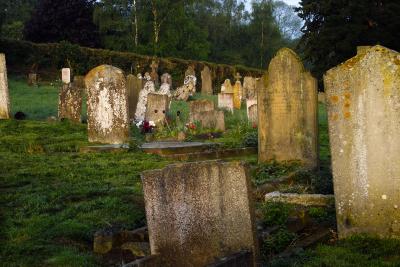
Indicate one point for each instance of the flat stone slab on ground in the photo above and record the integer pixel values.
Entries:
(168, 148)
(104, 148)
(301, 199)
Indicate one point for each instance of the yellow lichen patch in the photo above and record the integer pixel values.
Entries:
(334, 99)
(334, 117)
(347, 115)
(347, 104)
(347, 95)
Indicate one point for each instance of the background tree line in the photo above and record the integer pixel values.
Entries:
(247, 32)
(223, 31)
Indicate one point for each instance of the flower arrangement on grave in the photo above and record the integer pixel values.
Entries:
(146, 126)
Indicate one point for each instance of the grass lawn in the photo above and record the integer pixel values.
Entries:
(53, 199)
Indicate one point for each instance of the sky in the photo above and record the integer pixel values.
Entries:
(292, 2)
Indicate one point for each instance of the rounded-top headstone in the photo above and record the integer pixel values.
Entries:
(107, 101)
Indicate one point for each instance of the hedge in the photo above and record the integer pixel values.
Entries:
(48, 59)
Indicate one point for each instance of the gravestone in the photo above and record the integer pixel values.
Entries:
(133, 85)
(157, 108)
(66, 75)
(142, 103)
(199, 211)
(154, 73)
(363, 100)
(166, 85)
(227, 87)
(237, 92)
(211, 119)
(188, 89)
(252, 114)
(206, 81)
(198, 106)
(32, 79)
(288, 114)
(190, 71)
(225, 101)
(249, 88)
(70, 100)
(4, 93)
(107, 105)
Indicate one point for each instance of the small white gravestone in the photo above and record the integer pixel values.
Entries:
(66, 75)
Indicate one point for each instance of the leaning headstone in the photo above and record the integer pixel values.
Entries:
(249, 88)
(70, 100)
(363, 100)
(288, 128)
(133, 85)
(227, 87)
(66, 75)
(206, 81)
(142, 103)
(225, 101)
(4, 93)
(199, 211)
(107, 105)
(157, 108)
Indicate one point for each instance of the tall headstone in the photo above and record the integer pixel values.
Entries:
(32, 79)
(142, 103)
(288, 114)
(363, 100)
(107, 105)
(157, 108)
(70, 99)
(252, 114)
(237, 92)
(4, 93)
(199, 211)
(190, 71)
(225, 101)
(206, 81)
(249, 88)
(133, 85)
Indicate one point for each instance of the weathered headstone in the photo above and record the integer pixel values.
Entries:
(206, 81)
(142, 103)
(225, 101)
(70, 100)
(200, 106)
(107, 104)
(154, 73)
(211, 119)
(287, 104)
(190, 71)
(227, 87)
(252, 114)
(237, 92)
(363, 100)
(249, 88)
(32, 79)
(157, 108)
(4, 93)
(133, 85)
(199, 211)
(188, 89)
(66, 75)
(166, 85)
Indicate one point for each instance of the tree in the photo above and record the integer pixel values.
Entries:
(63, 20)
(333, 29)
(13, 15)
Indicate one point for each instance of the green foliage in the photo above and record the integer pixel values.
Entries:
(273, 170)
(333, 29)
(277, 242)
(62, 20)
(275, 213)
